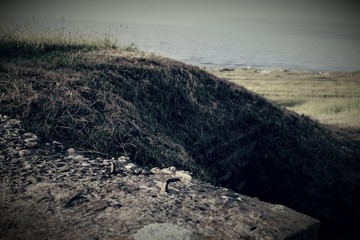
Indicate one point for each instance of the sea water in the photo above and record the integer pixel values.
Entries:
(243, 43)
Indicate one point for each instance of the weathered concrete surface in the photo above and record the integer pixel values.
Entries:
(49, 191)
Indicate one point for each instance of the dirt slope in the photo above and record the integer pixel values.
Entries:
(161, 113)
(48, 191)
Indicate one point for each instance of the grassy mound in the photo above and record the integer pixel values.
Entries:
(161, 112)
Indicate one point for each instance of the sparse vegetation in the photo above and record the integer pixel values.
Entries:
(12, 44)
(17, 39)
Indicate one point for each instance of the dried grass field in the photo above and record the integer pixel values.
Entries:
(330, 97)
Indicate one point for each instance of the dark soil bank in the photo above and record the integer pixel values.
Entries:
(49, 192)
(161, 112)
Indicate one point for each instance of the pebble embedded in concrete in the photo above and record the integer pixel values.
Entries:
(71, 151)
(24, 152)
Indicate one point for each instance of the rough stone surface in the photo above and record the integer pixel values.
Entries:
(50, 194)
(163, 231)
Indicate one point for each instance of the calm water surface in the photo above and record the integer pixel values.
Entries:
(241, 44)
(239, 47)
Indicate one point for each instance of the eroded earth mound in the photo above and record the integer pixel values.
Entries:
(49, 191)
(163, 113)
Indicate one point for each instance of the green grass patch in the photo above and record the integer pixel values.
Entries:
(332, 110)
(330, 106)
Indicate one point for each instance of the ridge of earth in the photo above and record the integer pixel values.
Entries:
(52, 191)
